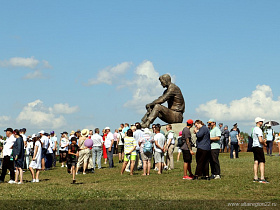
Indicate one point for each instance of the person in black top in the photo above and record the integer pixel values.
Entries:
(73, 154)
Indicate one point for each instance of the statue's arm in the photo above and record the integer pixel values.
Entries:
(165, 97)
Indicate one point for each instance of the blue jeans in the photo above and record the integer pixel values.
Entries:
(233, 146)
(96, 154)
(110, 157)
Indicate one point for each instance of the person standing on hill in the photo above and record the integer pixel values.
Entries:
(215, 136)
(258, 143)
(187, 150)
(269, 140)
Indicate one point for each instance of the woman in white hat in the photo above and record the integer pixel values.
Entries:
(84, 151)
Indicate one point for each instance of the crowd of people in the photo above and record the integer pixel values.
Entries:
(136, 148)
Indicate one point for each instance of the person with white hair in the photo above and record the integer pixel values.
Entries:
(146, 150)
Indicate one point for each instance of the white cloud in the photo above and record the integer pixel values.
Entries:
(145, 87)
(30, 63)
(109, 75)
(35, 114)
(34, 75)
(64, 109)
(20, 62)
(259, 103)
(4, 121)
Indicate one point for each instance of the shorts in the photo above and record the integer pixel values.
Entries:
(129, 157)
(179, 150)
(187, 156)
(19, 163)
(159, 157)
(258, 154)
(146, 156)
(120, 148)
(44, 153)
(72, 163)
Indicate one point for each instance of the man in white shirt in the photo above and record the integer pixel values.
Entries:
(109, 145)
(120, 145)
(97, 148)
(45, 144)
(53, 139)
(8, 162)
(258, 143)
(138, 134)
(160, 144)
(26, 157)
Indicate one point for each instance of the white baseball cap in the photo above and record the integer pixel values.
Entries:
(41, 132)
(107, 128)
(258, 119)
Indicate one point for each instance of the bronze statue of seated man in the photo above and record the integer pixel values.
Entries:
(176, 104)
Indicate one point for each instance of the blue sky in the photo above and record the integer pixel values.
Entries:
(74, 64)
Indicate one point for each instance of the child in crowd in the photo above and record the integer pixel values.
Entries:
(36, 160)
(73, 154)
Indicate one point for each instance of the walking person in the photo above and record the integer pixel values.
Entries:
(8, 160)
(129, 151)
(269, 140)
(179, 150)
(45, 144)
(105, 156)
(109, 145)
(234, 141)
(97, 148)
(215, 136)
(36, 163)
(226, 139)
(203, 150)
(73, 154)
(259, 159)
(138, 134)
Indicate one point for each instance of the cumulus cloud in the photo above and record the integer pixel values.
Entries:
(110, 74)
(34, 75)
(20, 62)
(30, 63)
(259, 103)
(64, 109)
(37, 115)
(4, 120)
(145, 87)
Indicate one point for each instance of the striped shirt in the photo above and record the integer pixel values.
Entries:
(129, 143)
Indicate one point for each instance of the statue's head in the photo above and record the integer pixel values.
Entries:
(165, 80)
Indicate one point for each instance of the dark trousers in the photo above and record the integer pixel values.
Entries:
(202, 161)
(110, 157)
(234, 147)
(115, 147)
(7, 164)
(54, 158)
(269, 147)
(214, 162)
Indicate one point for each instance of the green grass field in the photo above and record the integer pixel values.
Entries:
(106, 188)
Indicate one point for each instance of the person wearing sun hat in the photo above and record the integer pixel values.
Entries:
(84, 151)
(258, 143)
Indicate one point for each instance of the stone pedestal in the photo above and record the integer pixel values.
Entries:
(176, 127)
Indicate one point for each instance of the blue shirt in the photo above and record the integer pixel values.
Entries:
(233, 136)
(203, 138)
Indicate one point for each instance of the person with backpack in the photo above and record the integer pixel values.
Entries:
(120, 144)
(146, 150)
(170, 138)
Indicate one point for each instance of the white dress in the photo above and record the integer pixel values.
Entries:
(36, 164)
